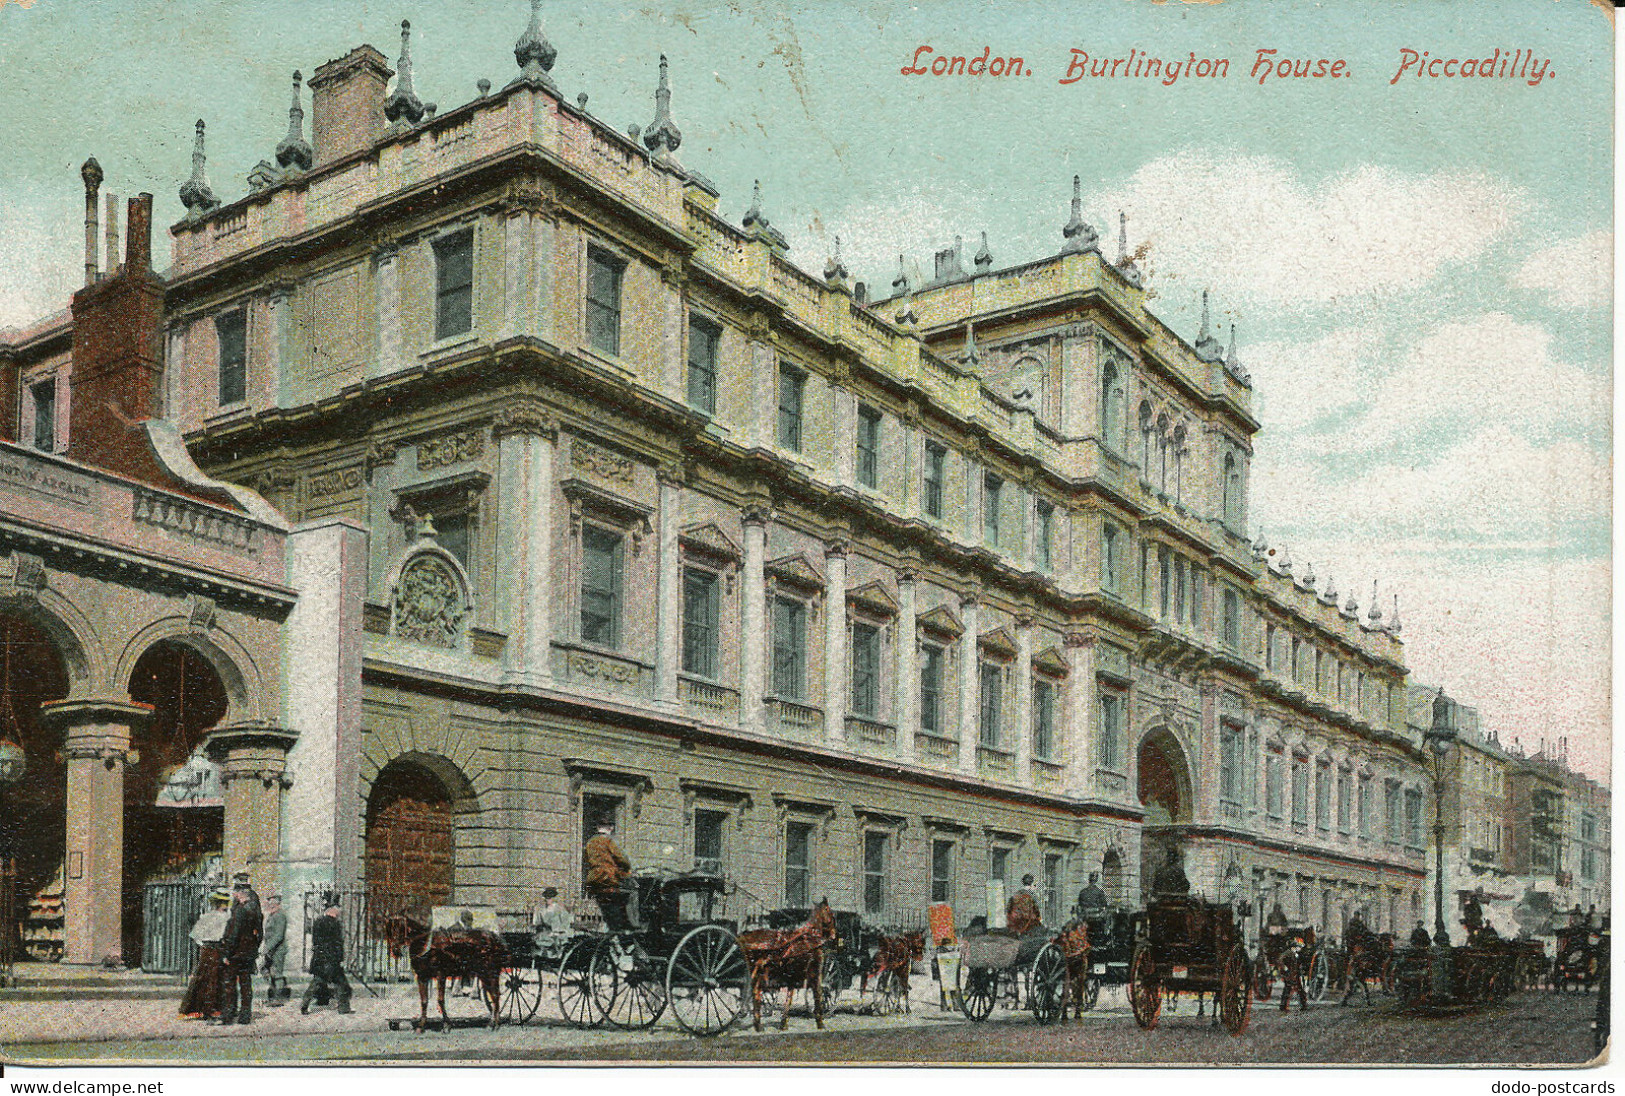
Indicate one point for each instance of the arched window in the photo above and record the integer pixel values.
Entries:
(1179, 462)
(1111, 404)
(1145, 441)
(1228, 487)
(1162, 453)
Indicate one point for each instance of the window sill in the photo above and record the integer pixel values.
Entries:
(228, 413)
(450, 342)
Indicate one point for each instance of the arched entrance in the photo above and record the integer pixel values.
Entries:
(410, 837)
(173, 822)
(1165, 793)
(33, 811)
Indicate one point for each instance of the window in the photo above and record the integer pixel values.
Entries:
(1390, 810)
(1181, 584)
(1145, 576)
(1043, 720)
(1111, 403)
(1052, 887)
(454, 285)
(992, 487)
(604, 272)
(998, 865)
(231, 334)
(701, 602)
(992, 702)
(1165, 578)
(708, 841)
(789, 649)
(1269, 646)
(1320, 671)
(1368, 817)
(936, 459)
(1323, 797)
(1297, 661)
(1041, 536)
(874, 871)
(931, 689)
(1232, 620)
(942, 870)
(601, 562)
(865, 670)
(868, 446)
(1111, 729)
(1413, 817)
(1230, 763)
(703, 338)
(1345, 805)
(1196, 597)
(43, 397)
(455, 533)
(791, 383)
(798, 864)
(1300, 791)
(1110, 557)
(1274, 785)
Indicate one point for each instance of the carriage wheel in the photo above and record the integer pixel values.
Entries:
(977, 988)
(1235, 999)
(1091, 991)
(707, 981)
(1144, 991)
(889, 993)
(521, 993)
(1320, 978)
(833, 976)
(1046, 985)
(627, 988)
(1262, 979)
(575, 984)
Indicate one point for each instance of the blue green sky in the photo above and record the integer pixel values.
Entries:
(1420, 271)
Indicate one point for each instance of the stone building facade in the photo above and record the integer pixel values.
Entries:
(612, 510)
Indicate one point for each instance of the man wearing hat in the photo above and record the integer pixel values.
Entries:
(274, 952)
(327, 958)
(605, 871)
(239, 948)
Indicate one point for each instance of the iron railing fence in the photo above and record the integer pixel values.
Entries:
(10, 922)
(169, 910)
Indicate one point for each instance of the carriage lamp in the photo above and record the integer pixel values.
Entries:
(13, 762)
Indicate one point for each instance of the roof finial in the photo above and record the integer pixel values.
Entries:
(756, 222)
(195, 193)
(1207, 346)
(1080, 236)
(1393, 625)
(1125, 262)
(835, 270)
(535, 53)
(663, 136)
(1375, 616)
(295, 153)
(973, 356)
(984, 257)
(403, 102)
(899, 284)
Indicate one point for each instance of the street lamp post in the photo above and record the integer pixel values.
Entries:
(1440, 738)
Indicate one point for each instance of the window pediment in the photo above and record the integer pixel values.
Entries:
(874, 599)
(1051, 661)
(941, 623)
(707, 539)
(997, 643)
(797, 572)
(589, 498)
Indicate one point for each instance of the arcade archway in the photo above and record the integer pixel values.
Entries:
(1164, 785)
(411, 834)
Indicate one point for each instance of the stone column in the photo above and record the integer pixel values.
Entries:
(907, 715)
(253, 760)
(527, 437)
(391, 357)
(1024, 698)
(835, 668)
(913, 446)
(969, 701)
(1080, 715)
(756, 641)
(96, 745)
(668, 589)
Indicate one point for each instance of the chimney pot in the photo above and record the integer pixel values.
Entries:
(138, 230)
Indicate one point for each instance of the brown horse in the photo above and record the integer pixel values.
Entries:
(1073, 943)
(789, 959)
(448, 953)
(894, 956)
(1368, 957)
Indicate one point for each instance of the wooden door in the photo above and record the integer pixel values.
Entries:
(409, 848)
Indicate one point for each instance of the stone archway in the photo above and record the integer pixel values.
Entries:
(1164, 786)
(411, 833)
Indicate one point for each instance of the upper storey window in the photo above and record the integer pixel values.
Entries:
(703, 337)
(604, 273)
(992, 490)
(41, 412)
(936, 461)
(454, 285)
(1111, 403)
(868, 446)
(231, 332)
(602, 566)
(1043, 533)
(792, 383)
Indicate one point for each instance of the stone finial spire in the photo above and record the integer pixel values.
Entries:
(1261, 546)
(899, 284)
(1328, 593)
(662, 137)
(195, 193)
(1080, 236)
(1125, 262)
(1307, 579)
(1207, 346)
(984, 257)
(1393, 625)
(295, 153)
(1351, 607)
(1375, 616)
(534, 53)
(973, 356)
(756, 222)
(835, 270)
(403, 105)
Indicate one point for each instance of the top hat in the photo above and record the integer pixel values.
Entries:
(550, 892)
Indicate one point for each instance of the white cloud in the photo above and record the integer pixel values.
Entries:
(1574, 273)
(37, 276)
(915, 224)
(1260, 235)
(1297, 382)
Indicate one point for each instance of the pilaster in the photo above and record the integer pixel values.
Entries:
(668, 590)
(1080, 715)
(968, 685)
(907, 667)
(835, 667)
(1024, 699)
(753, 619)
(527, 438)
(391, 357)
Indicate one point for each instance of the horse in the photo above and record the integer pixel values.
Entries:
(1073, 943)
(1368, 958)
(894, 956)
(791, 959)
(444, 954)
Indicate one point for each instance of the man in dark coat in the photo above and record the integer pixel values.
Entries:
(327, 959)
(1092, 897)
(274, 951)
(1420, 937)
(1170, 878)
(239, 951)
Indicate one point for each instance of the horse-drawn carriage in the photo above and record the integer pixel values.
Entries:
(1575, 960)
(861, 958)
(1293, 951)
(1484, 969)
(1111, 950)
(1190, 946)
(1022, 972)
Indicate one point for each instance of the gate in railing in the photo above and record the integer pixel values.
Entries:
(168, 912)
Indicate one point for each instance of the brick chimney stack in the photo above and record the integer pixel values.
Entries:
(118, 358)
(347, 104)
(91, 173)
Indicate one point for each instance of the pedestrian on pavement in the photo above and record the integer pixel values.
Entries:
(202, 999)
(327, 959)
(1021, 914)
(274, 952)
(239, 950)
(606, 873)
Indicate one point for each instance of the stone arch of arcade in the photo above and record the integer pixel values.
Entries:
(1165, 791)
(411, 829)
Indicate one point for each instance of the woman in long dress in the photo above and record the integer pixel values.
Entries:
(202, 1000)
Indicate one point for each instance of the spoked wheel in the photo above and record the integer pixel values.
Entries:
(1319, 979)
(977, 986)
(1262, 980)
(1235, 999)
(1144, 991)
(835, 978)
(521, 993)
(1091, 991)
(627, 986)
(1046, 985)
(576, 1002)
(707, 981)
